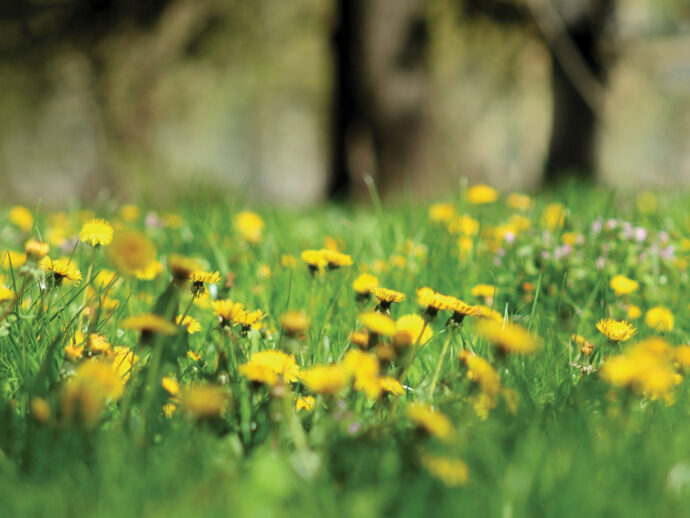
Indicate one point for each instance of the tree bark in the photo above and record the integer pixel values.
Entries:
(381, 113)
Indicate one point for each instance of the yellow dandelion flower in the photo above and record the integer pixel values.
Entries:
(259, 373)
(412, 329)
(377, 323)
(60, 269)
(659, 318)
(13, 259)
(487, 312)
(171, 386)
(6, 294)
(131, 252)
(464, 225)
(288, 261)
(22, 217)
(305, 403)
(431, 420)
(483, 291)
(681, 355)
(314, 259)
(365, 284)
(40, 409)
(150, 272)
(98, 344)
(124, 361)
(85, 394)
(365, 369)
(481, 194)
(517, 201)
(360, 339)
(149, 323)
(441, 212)
(390, 384)
(192, 325)
(294, 323)
(386, 297)
(182, 267)
(335, 259)
(200, 279)
(130, 212)
(280, 363)
(553, 216)
(193, 356)
(205, 401)
(483, 374)
(169, 409)
(622, 285)
(508, 338)
(461, 309)
(36, 249)
(250, 226)
(75, 348)
(96, 232)
(227, 310)
(452, 472)
(586, 347)
(634, 312)
(616, 330)
(326, 379)
(432, 301)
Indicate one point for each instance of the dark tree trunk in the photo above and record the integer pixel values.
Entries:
(572, 148)
(381, 117)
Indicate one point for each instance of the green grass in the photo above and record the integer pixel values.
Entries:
(573, 446)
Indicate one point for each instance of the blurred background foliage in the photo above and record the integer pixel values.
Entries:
(112, 99)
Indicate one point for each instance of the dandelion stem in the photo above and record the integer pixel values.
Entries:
(439, 365)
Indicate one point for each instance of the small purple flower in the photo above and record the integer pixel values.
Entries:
(354, 428)
(611, 224)
(640, 234)
(668, 253)
(545, 254)
(509, 237)
(664, 237)
(600, 262)
(597, 226)
(627, 230)
(152, 220)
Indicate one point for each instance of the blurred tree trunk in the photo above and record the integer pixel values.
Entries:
(381, 110)
(575, 118)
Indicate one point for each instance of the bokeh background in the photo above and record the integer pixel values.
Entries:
(295, 101)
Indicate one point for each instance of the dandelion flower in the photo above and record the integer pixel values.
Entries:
(250, 226)
(508, 338)
(326, 379)
(390, 384)
(616, 330)
(377, 323)
(365, 369)
(335, 259)
(259, 373)
(149, 323)
(484, 291)
(412, 329)
(386, 297)
(22, 217)
(360, 339)
(282, 364)
(6, 294)
(441, 212)
(171, 386)
(60, 269)
(305, 403)
(294, 323)
(36, 249)
(622, 285)
(13, 259)
(182, 267)
(517, 201)
(586, 347)
(192, 325)
(131, 252)
(96, 232)
(431, 420)
(124, 361)
(452, 472)
(314, 259)
(634, 312)
(85, 394)
(365, 284)
(432, 302)
(659, 318)
(482, 373)
(481, 194)
(205, 401)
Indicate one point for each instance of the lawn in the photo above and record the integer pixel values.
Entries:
(487, 355)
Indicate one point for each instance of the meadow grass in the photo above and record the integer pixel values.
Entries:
(580, 426)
